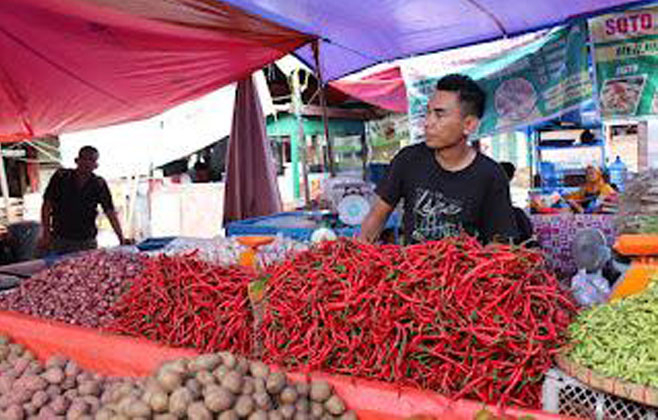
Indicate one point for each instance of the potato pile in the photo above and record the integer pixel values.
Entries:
(221, 386)
(60, 389)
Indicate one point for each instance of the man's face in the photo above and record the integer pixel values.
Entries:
(445, 126)
(87, 162)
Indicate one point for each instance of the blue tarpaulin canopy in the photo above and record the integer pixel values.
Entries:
(359, 34)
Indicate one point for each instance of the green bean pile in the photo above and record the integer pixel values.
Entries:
(620, 339)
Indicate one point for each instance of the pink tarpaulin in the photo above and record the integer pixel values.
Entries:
(251, 186)
(79, 64)
(385, 89)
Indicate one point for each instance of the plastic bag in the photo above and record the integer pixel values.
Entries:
(590, 289)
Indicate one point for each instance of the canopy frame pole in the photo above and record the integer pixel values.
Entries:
(5, 188)
(324, 108)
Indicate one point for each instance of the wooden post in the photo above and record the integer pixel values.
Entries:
(5, 188)
(324, 106)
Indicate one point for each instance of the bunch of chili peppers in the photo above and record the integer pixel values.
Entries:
(452, 316)
(186, 302)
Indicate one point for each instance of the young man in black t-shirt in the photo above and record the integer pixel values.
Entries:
(447, 186)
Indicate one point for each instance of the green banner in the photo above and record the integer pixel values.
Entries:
(533, 83)
(625, 54)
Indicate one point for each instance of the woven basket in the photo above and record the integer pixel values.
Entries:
(639, 393)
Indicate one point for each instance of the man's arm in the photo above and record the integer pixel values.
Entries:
(116, 226)
(499, 223)
(46, 214)
(373, 224)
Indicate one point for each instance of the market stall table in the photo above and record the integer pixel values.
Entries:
(555, 233)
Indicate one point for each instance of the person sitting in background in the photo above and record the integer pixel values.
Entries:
(202, 172)
(525, 228)
(595, 196)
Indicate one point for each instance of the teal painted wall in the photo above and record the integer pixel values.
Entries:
(286, 125)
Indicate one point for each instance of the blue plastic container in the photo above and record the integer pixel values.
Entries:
(272, 225)
(618, 173)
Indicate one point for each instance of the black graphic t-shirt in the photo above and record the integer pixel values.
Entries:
(74, 207)
(440, 203)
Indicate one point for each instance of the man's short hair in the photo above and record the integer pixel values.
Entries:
(471, 97)
(87, 149)
(509, 169)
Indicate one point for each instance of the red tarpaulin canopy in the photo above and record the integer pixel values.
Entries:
(385, 89)
(74, 65)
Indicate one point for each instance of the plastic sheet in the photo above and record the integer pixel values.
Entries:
(122, 356)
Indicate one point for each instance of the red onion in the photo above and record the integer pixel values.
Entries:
(78, 290)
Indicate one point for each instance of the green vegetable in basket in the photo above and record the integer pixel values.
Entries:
(620, 339)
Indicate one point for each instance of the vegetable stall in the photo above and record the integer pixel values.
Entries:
(336, 330)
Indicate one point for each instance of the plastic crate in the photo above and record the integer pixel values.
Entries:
(567, 396)
(268, 225)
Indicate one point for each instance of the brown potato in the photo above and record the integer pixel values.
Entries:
(195, 388)
(228, 415)
(288, 411)
(259, 385)
(205, 377)
(220, 373)
(276, 382)
(218, 400)
(335, 406)
(59, 405)
(242, 366)
(166, 416)
(275, 415)
(159, 401)
(84, 377)
(56, 360)
(54, 375)
(93, 402)
(77, 409)
(71, 369)
(35, 368)
(138, 409)
(316, 410)
(233, 381)
(244, 406)
(206, 362)
(302, 388)
(40, 398)
(263, 400)
(169, 380)
(248, 386)
(14, 412)
(288, 395)
(104, 414)
(68, 383)
(259, 369)
(349, 415)
(198, 411)
(30, 409)
(258, 415)
(320, 391)
(89, 387)
(302, 405)
(16, 349)
(228, 359)
(301, 416)
(179, 401)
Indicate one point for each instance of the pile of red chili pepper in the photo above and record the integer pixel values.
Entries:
(452, 316)
(185, 302)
